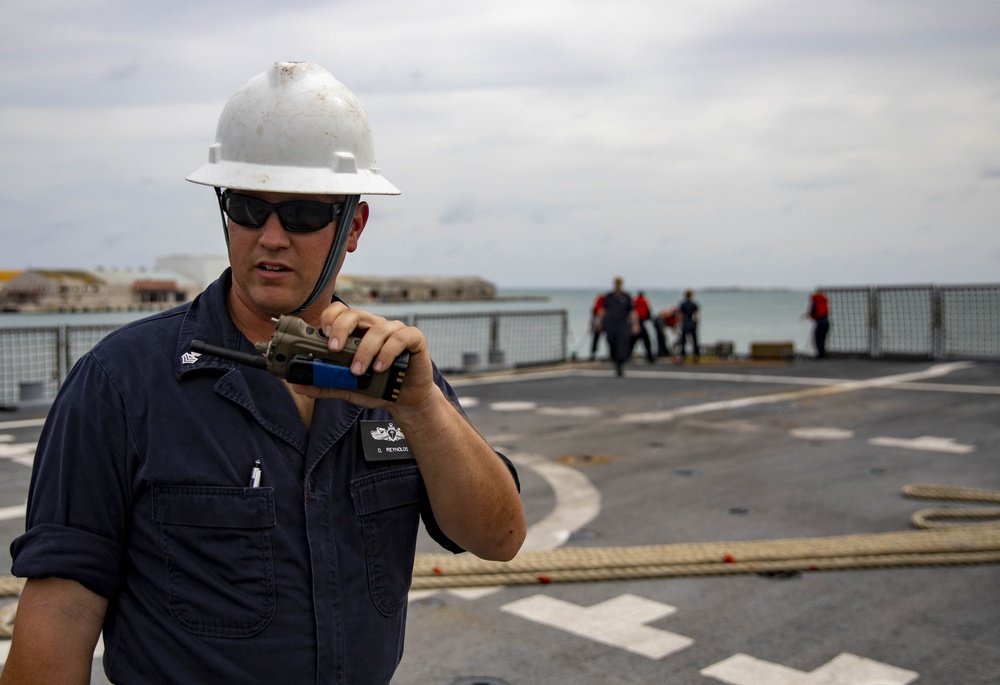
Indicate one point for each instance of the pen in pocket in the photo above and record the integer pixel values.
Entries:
(255, 475)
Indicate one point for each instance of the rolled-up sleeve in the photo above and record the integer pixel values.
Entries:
(78, 501)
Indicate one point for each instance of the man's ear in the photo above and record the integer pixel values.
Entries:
(357, 226)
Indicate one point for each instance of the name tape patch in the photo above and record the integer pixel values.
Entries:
(383, 441)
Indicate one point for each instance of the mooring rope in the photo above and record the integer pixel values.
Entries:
(934, 543)
(944, 517)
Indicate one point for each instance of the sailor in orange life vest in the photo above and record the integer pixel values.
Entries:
(666, 319)
(641, 305)
(595, 324)
(819, 311)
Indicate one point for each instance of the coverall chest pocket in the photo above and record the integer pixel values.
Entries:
(217, 548)
(388, 504)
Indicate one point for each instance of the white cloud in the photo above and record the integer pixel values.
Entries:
(749, 142)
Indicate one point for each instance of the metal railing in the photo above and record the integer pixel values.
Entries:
(924, 321)
(35, 361)
(935, 322)
(464, 341)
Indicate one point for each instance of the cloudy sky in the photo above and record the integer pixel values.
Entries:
(537, 143)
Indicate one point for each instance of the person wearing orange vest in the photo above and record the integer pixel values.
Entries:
(595, 324)
(641, 305)
(664, 321)
(819, 311)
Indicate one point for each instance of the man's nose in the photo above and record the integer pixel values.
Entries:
(272, 233)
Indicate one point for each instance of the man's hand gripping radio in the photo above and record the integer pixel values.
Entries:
(299, 353)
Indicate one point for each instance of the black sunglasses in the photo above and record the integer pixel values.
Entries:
(299, 216)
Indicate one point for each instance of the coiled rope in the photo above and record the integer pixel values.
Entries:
(936, 543)
(942, 517)
(939, 541)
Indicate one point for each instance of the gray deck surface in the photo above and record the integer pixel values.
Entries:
(705, 453)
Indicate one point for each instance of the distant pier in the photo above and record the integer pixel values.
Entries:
(54, 291)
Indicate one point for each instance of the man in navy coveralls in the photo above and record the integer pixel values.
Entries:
(148, 518)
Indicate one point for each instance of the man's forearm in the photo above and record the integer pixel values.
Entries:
(55, 631)
(472, 493)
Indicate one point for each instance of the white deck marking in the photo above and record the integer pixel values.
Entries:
(618, 622)
(903, 383)
(19, 452)
(928, 443)
(25, 423)
(792, 395)
(734, 426)
(845, 669)
(949, 387)
(513, 406)
(717, 376)
(575, 412)
(577, 503)
(820, 433)
(10, 513)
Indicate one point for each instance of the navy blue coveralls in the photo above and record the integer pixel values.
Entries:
(140, 492)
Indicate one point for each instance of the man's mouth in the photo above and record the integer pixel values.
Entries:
(272, 267)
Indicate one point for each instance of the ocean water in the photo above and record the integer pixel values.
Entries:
(740, 317)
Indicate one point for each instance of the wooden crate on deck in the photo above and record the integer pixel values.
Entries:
(772, 350)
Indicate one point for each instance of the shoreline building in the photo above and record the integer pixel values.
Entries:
(67, 290)
(179, 278)
(359, 290)
(353, 288)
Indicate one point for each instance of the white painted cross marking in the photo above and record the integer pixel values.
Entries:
(617, 622)
(845, 669)
(929, 443)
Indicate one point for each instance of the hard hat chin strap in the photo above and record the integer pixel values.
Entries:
(336, 250)
(222, 211)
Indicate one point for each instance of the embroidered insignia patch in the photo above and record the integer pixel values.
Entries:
(390, 433)
(190, 357)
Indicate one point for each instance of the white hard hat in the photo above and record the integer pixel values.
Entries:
(294, 129)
